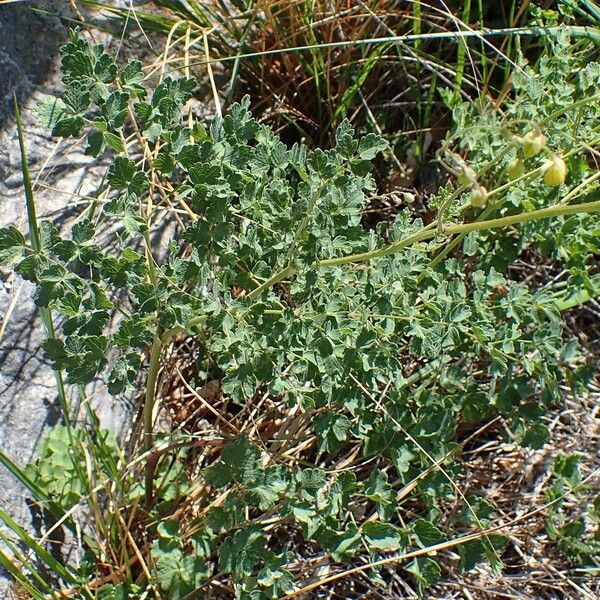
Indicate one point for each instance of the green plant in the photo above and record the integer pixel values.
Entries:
(348, 357)
(380, 64)
(573, 526)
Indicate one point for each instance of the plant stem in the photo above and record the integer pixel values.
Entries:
(576, 31)
(534, 215)
(148, 413)
(427, 233)
(285, 272)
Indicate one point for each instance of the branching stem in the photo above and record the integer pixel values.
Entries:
(427, 233)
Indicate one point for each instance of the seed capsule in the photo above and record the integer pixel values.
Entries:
(467, 176)
(516, 169)
(555, 171)
(533, 143)
(478, 197)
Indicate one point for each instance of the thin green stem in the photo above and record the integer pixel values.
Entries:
(427, 233)
(148, 412)
(582, 296)
(269, 283)
(36, 244)
(150, 395)
(526, 177)
(534, 215)
(575, 31)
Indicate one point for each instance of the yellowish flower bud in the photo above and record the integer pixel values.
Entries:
(555, 171)
(478, 197)
(467, 176)
(533, 143)
(515, 169)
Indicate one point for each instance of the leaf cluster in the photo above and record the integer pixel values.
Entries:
(386, 355)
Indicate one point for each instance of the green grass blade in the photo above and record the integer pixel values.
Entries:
(417, 22)
(45, 312)
(38, 493)
(22, 560)
(34, 231)
(461, 52)
(349, 95)
(576, 31)
(36, 244)
(43, 554)
(20, 578)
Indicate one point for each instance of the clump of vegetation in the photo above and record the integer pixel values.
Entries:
(341, 368)
(383, 65)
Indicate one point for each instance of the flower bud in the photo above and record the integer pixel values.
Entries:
(515, 169)
(478, 197)
(555, 171)
(533, 143)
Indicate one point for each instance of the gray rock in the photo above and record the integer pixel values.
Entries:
(29, 60)
(29, 43)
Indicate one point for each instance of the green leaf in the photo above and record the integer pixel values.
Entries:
(240, 463)
(77, 99)
(53, 283)
(381, 536)
(131, 78)
(346, 145)
(477, 511)
(425, 571)
(134, 224)
(370, 146)
(266, 490)
(402, 458)
(105, 69)
(49, 111)
(536, 436)
(426, 533)
(311, 481)
(566, 467)
(95, 143)
(332, 429)
(489, 547)
(83, 357)
(177, 573)
(114, 142)
(169, 570)
(164, 163)
(114, 110)
(123, 174)
(12, 244)
(381, 493)
(470, 554)
(343, 545)
(135, 332)
(276, 580)
(242, 552)
(118, 592)
(68, 127)
(223, 518)
(31, 267)
(124, 373)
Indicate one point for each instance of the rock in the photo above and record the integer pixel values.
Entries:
(29, 61)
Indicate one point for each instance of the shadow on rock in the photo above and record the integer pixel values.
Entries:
(29, 45)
